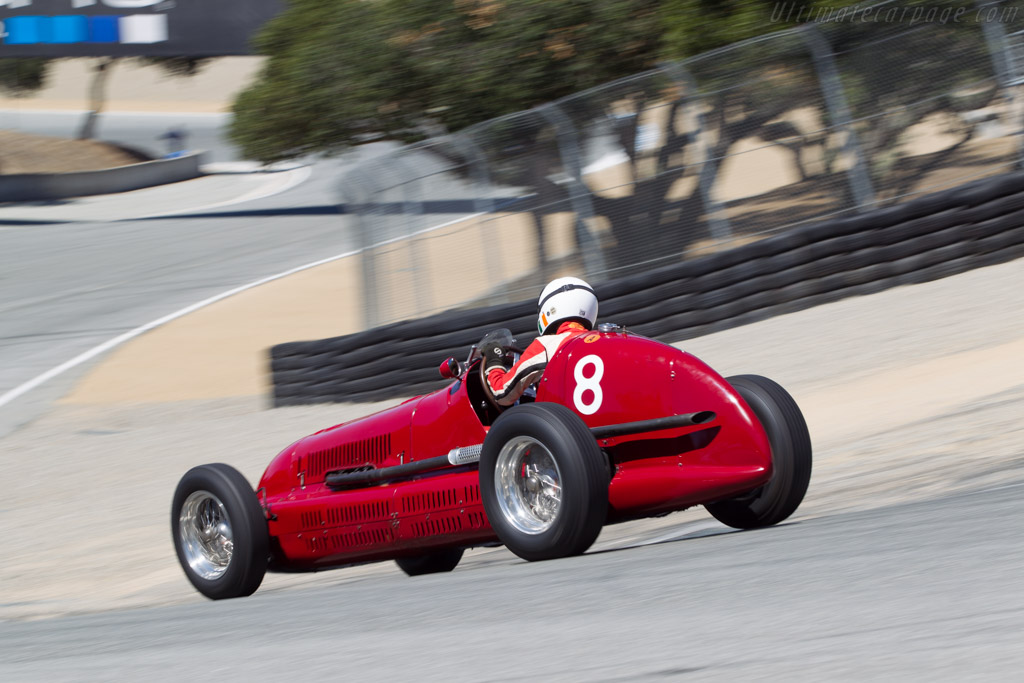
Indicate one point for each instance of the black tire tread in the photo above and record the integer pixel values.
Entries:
(565, 541)
(435, 562)
(249, 564)
(740, 513)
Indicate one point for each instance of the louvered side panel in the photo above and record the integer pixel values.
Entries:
(373, 451)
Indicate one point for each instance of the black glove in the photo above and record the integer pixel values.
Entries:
(495, 356)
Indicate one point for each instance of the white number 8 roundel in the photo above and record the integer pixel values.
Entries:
(593, 383)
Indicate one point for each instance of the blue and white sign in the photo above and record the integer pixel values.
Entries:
(88, 28)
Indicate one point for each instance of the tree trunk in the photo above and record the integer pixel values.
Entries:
(97, 98)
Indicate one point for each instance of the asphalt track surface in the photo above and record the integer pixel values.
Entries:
(926, 591)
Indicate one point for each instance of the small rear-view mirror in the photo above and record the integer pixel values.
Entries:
(450, 368)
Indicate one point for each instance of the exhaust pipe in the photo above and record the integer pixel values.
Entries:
(658, 423)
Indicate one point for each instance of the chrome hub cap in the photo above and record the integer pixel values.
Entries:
(205, 533)
(528, 485)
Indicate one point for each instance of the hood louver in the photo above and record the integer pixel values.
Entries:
(373, 451)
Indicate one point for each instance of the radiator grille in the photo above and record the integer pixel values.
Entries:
(450, 523)
(441, 500)
(347, 514)
(436, 526)
(432, 500)
(347, 540)
(373, 451)
(316, 544)
(356, 539)
(364, 512)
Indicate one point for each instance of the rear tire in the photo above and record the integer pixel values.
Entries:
(543, 482)
(790, 442)
(435, 562)
(220, 532)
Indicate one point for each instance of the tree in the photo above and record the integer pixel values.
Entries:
(22, 75)
(400, 69)
(173, 66)
(343, 71)
(893, 73)
(331, 78)
(886, 59)
(695, 26)
(340, 70)
(899, 70)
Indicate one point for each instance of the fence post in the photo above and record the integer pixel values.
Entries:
(579, 194)
(718, 222)
(995, 40)
(412, 208)
(483, 204)
(1007, 66)
(839, 112)
(355, 198)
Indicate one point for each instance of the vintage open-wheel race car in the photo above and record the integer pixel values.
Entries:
(619, 427)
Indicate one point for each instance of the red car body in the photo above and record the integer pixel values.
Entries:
(607, 378)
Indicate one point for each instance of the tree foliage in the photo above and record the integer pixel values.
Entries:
(181, 67)
(342, 70)
(695, 26)
(331, 79)
(22, 75)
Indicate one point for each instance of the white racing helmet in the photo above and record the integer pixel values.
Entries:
(563, 300)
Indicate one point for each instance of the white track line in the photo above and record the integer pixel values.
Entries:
(278, 184)
(131, 334)
(28, 386)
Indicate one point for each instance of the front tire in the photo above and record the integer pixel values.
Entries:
(435, 562)
(220, 532)
(543, 482)
(790, 442)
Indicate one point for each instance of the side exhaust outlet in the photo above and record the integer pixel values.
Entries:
(658, 423)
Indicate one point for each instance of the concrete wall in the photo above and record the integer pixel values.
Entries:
(31, 187)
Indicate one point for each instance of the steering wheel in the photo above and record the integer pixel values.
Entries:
(499, 340)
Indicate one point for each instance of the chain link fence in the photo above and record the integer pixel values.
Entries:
(838, 116)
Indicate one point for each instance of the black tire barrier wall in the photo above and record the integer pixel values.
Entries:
(34, 187)
(924, 239)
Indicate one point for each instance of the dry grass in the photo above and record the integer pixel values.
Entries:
(26, 153)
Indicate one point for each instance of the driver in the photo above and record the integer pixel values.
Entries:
(567, 308)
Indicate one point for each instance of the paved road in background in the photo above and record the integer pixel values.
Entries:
(68, 287)
(926, 591)
(65, 288)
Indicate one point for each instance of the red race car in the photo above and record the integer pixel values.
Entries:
(619, 427)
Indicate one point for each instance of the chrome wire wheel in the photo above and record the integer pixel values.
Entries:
(543, 481)
(220, 532)
(207, 541)
(528, 485)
